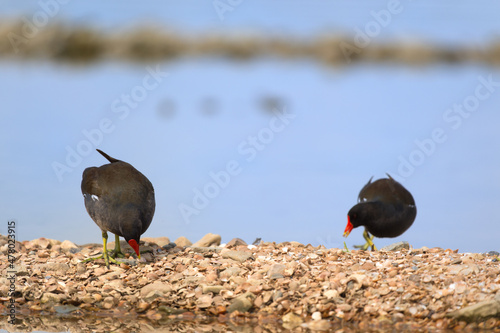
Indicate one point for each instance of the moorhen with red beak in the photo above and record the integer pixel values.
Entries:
(385, 209)
(120, 200)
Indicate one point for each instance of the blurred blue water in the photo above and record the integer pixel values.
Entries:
(295, 183)
(298, 181)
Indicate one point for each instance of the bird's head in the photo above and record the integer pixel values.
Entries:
(363, 213)
(135, 245)
(348, 227)
(358, 215)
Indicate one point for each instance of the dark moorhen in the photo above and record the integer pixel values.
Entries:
(120, 200)
(385, 209)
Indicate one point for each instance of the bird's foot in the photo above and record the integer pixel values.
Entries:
(369, 242)
(362, 247)
(107, 258)
(366, 246)
(108, 255)
(116, 254)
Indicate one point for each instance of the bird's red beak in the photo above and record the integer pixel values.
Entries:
(135, 246)
(348, 227)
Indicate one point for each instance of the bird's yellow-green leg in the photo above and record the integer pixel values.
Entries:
(117, 252)
(104, 254)
(369, 242)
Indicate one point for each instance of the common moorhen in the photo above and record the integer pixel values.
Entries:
(385, 209)
(120, 200)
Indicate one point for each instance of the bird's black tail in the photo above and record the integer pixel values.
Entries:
(109, 158)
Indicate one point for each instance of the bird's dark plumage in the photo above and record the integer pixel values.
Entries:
(119, 199)
(385, 209)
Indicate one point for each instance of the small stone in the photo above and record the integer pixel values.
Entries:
(316, 316)
(240, 256)
(427, 278)
(460, 287)
(242, 303)
(208, 240)
(54, 242)
(231, 271)
(319, 325)
(21, 270)
(183, 242)
(100, 271)
(396, 246)
(267, 296)
(357, 281)
(413, 310)
(469, 270)
(142, 307)
(169, 246)
(52, 298)
(42, 243)
(236, 242)
(152, 296)
(294, 286)
(435, 250)
(153, 315)
(205, 249)
(277, 295)
(331, 294)
(344, 307)
(204, 301)
(58, 268)
(276, 271)
(108, 302)
(211, 277)
(43, 254)
(87, 299)
(212, 289)
(255, 289)
(384, 291)
(477, 312)
(155, 286)
(258, 302)
(291, 320)
(69, 246)
(220, 309)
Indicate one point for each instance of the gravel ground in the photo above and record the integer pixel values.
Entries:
(265, 288)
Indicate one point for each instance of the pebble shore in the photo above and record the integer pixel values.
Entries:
(266, 287)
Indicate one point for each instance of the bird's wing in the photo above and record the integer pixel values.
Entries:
(365, 191)
(90, 182)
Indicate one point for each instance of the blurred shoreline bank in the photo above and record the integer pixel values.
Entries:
(24, 40)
